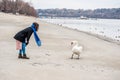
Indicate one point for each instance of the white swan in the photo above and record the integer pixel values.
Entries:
(76, 49)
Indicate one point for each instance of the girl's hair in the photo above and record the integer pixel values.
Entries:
(36, 25)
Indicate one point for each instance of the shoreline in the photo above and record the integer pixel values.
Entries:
(105, 38)
(108, 39)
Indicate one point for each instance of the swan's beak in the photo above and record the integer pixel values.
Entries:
(71, 43)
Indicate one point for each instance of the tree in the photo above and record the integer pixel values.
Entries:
(17, 6)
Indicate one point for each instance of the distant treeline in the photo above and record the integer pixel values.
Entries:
(17, 7)
(113, 13)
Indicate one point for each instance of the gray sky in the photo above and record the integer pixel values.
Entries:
(75, 4)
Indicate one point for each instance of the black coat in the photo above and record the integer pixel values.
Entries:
(24, 35)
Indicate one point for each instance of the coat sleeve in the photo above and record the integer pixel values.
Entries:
(29, 35)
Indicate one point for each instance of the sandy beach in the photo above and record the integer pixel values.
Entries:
(100, 59)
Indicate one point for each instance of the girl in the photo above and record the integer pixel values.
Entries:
(22, 39)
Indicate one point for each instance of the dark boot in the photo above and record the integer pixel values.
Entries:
(20, 56)
(25, 57)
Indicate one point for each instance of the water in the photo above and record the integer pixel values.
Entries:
(105, 27)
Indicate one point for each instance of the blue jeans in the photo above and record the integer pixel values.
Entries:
(23, 49)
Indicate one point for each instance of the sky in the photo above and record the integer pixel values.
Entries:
(74, 4)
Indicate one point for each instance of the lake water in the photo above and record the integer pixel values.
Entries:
(105, 27)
